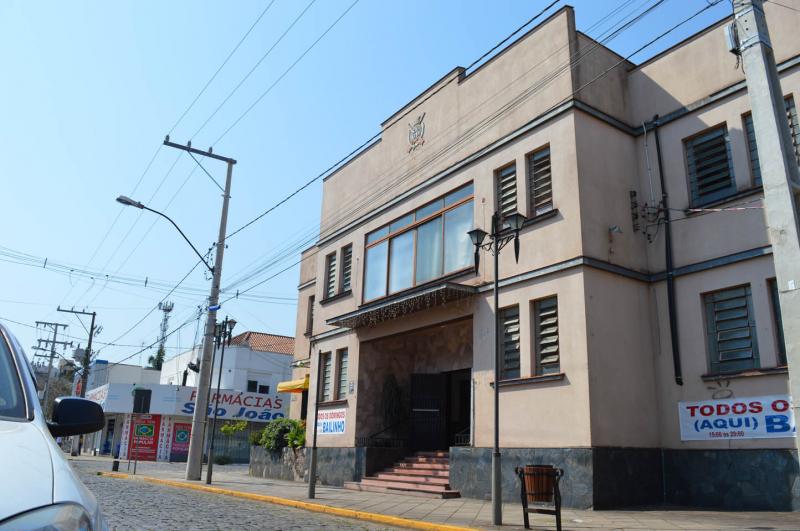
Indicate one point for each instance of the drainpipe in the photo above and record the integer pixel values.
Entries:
(673, 319)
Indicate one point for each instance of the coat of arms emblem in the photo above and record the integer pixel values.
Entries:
(416, 133)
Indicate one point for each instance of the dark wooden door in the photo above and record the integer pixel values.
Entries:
(428, 415)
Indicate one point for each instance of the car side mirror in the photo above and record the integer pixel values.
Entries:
(75, 416)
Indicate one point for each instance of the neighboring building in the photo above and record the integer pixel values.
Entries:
(254, 362)
(163, 432)
(393, 311)
(102, 372)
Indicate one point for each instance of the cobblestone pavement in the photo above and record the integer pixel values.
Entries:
(138, 505)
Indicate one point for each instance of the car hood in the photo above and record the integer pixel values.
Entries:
(27, 478)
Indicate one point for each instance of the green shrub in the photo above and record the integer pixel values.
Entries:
(222, 460)
(254, 438)
(232, 427)
(280, 433)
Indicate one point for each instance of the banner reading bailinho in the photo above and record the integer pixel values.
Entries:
(331, 421)
(753, 417)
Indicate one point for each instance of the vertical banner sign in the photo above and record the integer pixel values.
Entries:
(180, 438)
(331, 421)
(753, 417)
(144, 437)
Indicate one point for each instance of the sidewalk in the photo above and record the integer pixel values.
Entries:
(458, 512)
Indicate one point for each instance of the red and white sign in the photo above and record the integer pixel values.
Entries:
(180, 437)
(753, 417)
(143, 443)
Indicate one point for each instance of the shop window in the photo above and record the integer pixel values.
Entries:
(731, 330)
(540, 182)
(548, 359)
(708, 160)
(509, 319)
(252, 386)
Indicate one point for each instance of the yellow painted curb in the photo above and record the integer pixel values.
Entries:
(316, 507)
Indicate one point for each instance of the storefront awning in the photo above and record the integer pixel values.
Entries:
(294, 386)
(402, 304)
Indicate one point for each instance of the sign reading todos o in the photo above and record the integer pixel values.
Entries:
(755, 417)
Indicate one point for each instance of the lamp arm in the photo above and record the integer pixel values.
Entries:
(182, 234)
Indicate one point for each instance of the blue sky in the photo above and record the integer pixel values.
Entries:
(90, 89)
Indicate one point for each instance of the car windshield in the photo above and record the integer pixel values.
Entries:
(12, 402)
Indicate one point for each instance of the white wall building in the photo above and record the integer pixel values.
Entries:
(254, 362)
(102, 372)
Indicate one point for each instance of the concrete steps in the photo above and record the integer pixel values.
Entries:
(424, 474)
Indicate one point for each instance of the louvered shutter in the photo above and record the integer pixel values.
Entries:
(749, 131)
(794, 126)
(540, 182)
(731, 330)
(548, 360)
(347, 267)
(341, 392)
(330, 276)
(710, 170)
(510, 342)
(326, 376)
(507, 190)
(794, 129)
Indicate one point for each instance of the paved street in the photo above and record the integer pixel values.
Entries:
(139, 505)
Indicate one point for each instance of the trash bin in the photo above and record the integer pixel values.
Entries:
(539, 486)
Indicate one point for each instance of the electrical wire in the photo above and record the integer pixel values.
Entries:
(285, 72)
(395, 181)
(646, 45)
(216, 73)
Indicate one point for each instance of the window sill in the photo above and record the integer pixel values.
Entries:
(749, 373)
(531, 380)
(532, 221)
(336, 297)
(332, 403)
(719, 202)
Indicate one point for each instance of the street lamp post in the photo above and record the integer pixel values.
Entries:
(194, 461)
(223, 335)
(500, 236)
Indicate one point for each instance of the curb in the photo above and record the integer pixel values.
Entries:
(308, 506)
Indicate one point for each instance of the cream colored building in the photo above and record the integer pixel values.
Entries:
(390, 298)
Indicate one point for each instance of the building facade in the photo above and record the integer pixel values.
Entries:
(254, 362)
(601, 360)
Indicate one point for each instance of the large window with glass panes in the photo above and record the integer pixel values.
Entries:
(421, 246)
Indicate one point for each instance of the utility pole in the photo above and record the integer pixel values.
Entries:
(52, 342)
(779, 172)
(87, 360)
(87, 355)
(194, 462)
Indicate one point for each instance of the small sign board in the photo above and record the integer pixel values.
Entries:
(331, 421)
(753, 417)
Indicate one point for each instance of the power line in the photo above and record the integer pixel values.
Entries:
(285, 72)
(784, 5)
(378, 134)
(394, 182)
(253, 69)
(651, 42)
(238, 44)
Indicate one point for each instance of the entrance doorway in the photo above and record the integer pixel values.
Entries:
(440, 409)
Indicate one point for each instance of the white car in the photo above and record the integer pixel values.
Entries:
(38, 489)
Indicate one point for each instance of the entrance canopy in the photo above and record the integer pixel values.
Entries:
(294, 386)
(403, 303)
